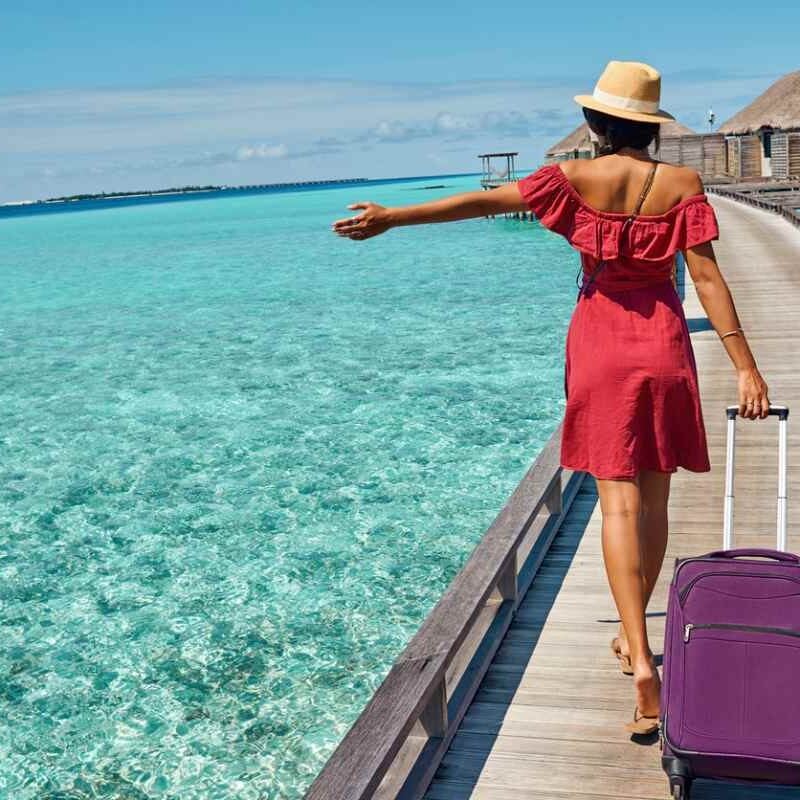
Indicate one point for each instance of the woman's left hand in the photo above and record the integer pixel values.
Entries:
(373, 221)
(753, 398)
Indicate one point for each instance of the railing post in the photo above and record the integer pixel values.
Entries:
(507, 584)
(553, 499)
(434, 716)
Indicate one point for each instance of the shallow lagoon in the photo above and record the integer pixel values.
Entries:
(241, 460)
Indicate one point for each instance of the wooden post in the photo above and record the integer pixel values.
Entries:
(434, 716)
(507, 585)
(553, 498)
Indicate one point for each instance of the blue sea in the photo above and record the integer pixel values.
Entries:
(241, 459)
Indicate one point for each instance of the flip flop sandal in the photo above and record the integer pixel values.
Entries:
(641, 724)
(624, 661)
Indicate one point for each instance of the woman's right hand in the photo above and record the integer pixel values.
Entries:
(753, 399)
(371, 222)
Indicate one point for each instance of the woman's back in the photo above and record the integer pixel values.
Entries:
(590, 208)
(613, 183)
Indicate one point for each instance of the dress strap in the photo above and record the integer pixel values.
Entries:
(645, 189)
(582, 287)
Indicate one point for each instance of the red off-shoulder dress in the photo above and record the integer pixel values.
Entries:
(630, 377)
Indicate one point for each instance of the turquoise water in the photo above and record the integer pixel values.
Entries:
(241, 459)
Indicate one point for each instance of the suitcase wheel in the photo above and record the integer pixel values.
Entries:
(679, 791)
(680, 777)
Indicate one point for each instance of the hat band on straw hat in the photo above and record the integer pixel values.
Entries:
(625, 103)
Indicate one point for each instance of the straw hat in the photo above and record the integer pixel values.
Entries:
(627, 89)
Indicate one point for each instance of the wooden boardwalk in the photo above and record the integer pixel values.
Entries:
(547, 719)
(782, 197)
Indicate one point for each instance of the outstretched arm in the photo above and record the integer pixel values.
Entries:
(376, 219)
(716, 299)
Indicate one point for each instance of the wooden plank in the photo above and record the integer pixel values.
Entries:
(750, 156)
(794, 154)
(692, 151)
(713, 146)
(670, 150)
(780, 155)
(733, 163)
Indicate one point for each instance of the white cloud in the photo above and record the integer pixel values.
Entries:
(248, 152)
(58, 142)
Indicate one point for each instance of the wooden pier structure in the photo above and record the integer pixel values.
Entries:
(781, 197)
(509, 690)
(492, 178)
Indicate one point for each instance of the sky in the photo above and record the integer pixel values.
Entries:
(100, 96)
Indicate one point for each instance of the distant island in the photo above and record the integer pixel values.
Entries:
(184, 190)
(142, 193)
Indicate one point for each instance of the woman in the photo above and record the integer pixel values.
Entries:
(633, 412)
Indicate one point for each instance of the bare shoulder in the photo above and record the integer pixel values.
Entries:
(685, 180)
(571, 167)
(579, 171)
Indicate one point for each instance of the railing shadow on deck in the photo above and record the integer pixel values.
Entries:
(395, 746)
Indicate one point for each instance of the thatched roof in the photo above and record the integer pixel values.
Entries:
(671, 127)
(579, 138)
(778, 107)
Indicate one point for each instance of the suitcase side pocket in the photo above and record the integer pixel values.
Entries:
(740, 690)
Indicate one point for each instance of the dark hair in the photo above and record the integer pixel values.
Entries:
(620, 132)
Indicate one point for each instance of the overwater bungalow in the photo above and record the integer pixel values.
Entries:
(575, 144)
(763, 139)
(679, 144)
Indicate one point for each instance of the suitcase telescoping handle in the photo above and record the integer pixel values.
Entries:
(782, 413)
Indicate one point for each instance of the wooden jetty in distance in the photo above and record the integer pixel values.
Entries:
(782, 197)
(492, 178)
(509, 690)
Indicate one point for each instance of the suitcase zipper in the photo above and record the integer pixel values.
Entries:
(692, 559)
(728, 626)
(686, 589)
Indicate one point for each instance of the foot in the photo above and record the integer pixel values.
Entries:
(621, 649)
(647, 685)
(624, 647)
(642, 725)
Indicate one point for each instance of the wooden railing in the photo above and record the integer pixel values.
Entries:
(759, 201)
(395, 746)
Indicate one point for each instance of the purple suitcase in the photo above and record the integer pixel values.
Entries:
(730, 694)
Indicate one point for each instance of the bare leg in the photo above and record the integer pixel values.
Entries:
(620, 503)
(654, 496)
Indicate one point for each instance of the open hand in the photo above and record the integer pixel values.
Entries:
(372, 221)
(753, 400)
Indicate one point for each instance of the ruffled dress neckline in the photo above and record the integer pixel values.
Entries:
(695, 198)
(644, 250)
